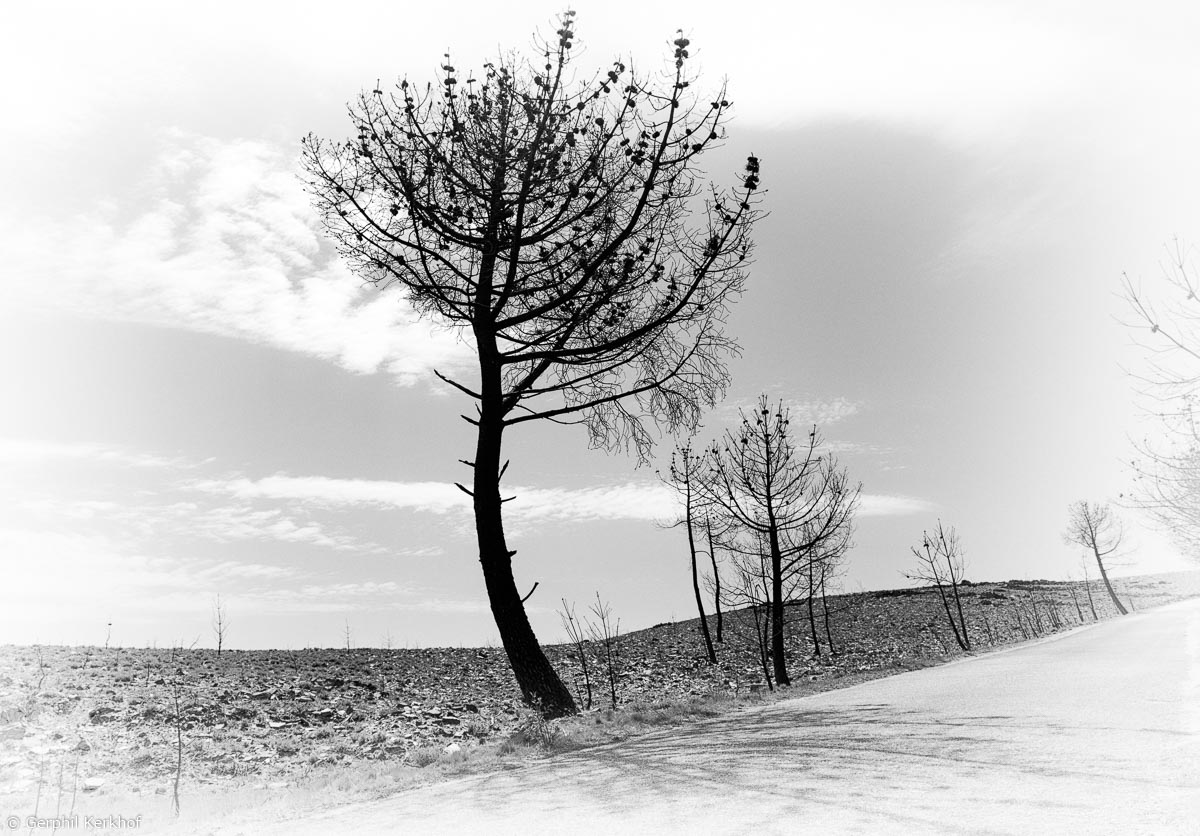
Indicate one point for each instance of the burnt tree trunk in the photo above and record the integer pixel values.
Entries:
(950, 616)
(825, 615)
(540, 684)
(812, 618)
(708, 643)
(1104, 576)
(712, 556)
(761, 630)
(777, 645)
(1075, 600)
(962, 621)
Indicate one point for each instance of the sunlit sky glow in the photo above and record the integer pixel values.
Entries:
(201, 399)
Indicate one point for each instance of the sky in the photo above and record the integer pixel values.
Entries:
(201, 400)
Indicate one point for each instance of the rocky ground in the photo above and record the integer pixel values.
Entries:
(86, 720)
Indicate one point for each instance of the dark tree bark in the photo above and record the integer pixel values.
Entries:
(716, 575)
(685, 471)
(825, 613)
(1075, 601)
(540, 684)
(1108, 584)
(708, 642)
(812, 616)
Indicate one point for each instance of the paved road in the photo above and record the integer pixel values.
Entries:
(1097, 731)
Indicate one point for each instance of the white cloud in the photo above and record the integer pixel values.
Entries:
(628, 501)
(56, 580)
(33, 451)
(882, 505)
(223, 242)
(433, 497)
(813, 411)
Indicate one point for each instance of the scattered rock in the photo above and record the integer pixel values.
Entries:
(103, 714)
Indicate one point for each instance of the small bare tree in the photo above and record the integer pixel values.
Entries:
(346, 635)
(940, 564)
(575, 632)
(1095, 527)
(606, 632)
(176, 685)
(220, 622)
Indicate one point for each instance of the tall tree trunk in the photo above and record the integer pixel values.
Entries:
(708, 644)
(812, 618)
(950, 616)
(712, 556)
(962, 621)
(761, 629)
(825, 614)
(1075, 599)
(781, 674)
(539, 682)
(1104, 576)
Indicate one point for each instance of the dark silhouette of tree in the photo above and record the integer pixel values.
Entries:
(548, 220)
(715, 578)
(790, 500)
(940, 563)
(1096, 528)
(1167, 471)
(685, 476)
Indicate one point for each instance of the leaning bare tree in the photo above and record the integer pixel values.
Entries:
(548, 220)
(1167, 471)
(940, 564)
(685, 477)
(1096, 528)
(790, 499)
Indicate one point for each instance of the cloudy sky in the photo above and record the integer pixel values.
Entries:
(199, 399)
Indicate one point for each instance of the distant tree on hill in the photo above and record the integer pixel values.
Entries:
(220, 622)
(1096, 528)
(546, 218)
(685, 476)
(940, 564)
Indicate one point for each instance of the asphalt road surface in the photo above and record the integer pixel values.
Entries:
(1095, 731)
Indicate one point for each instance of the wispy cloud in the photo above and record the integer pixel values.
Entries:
(35, 451)
(224, 242)
(883, 505)
(647, 501)
(629, 501)
(821, 412)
